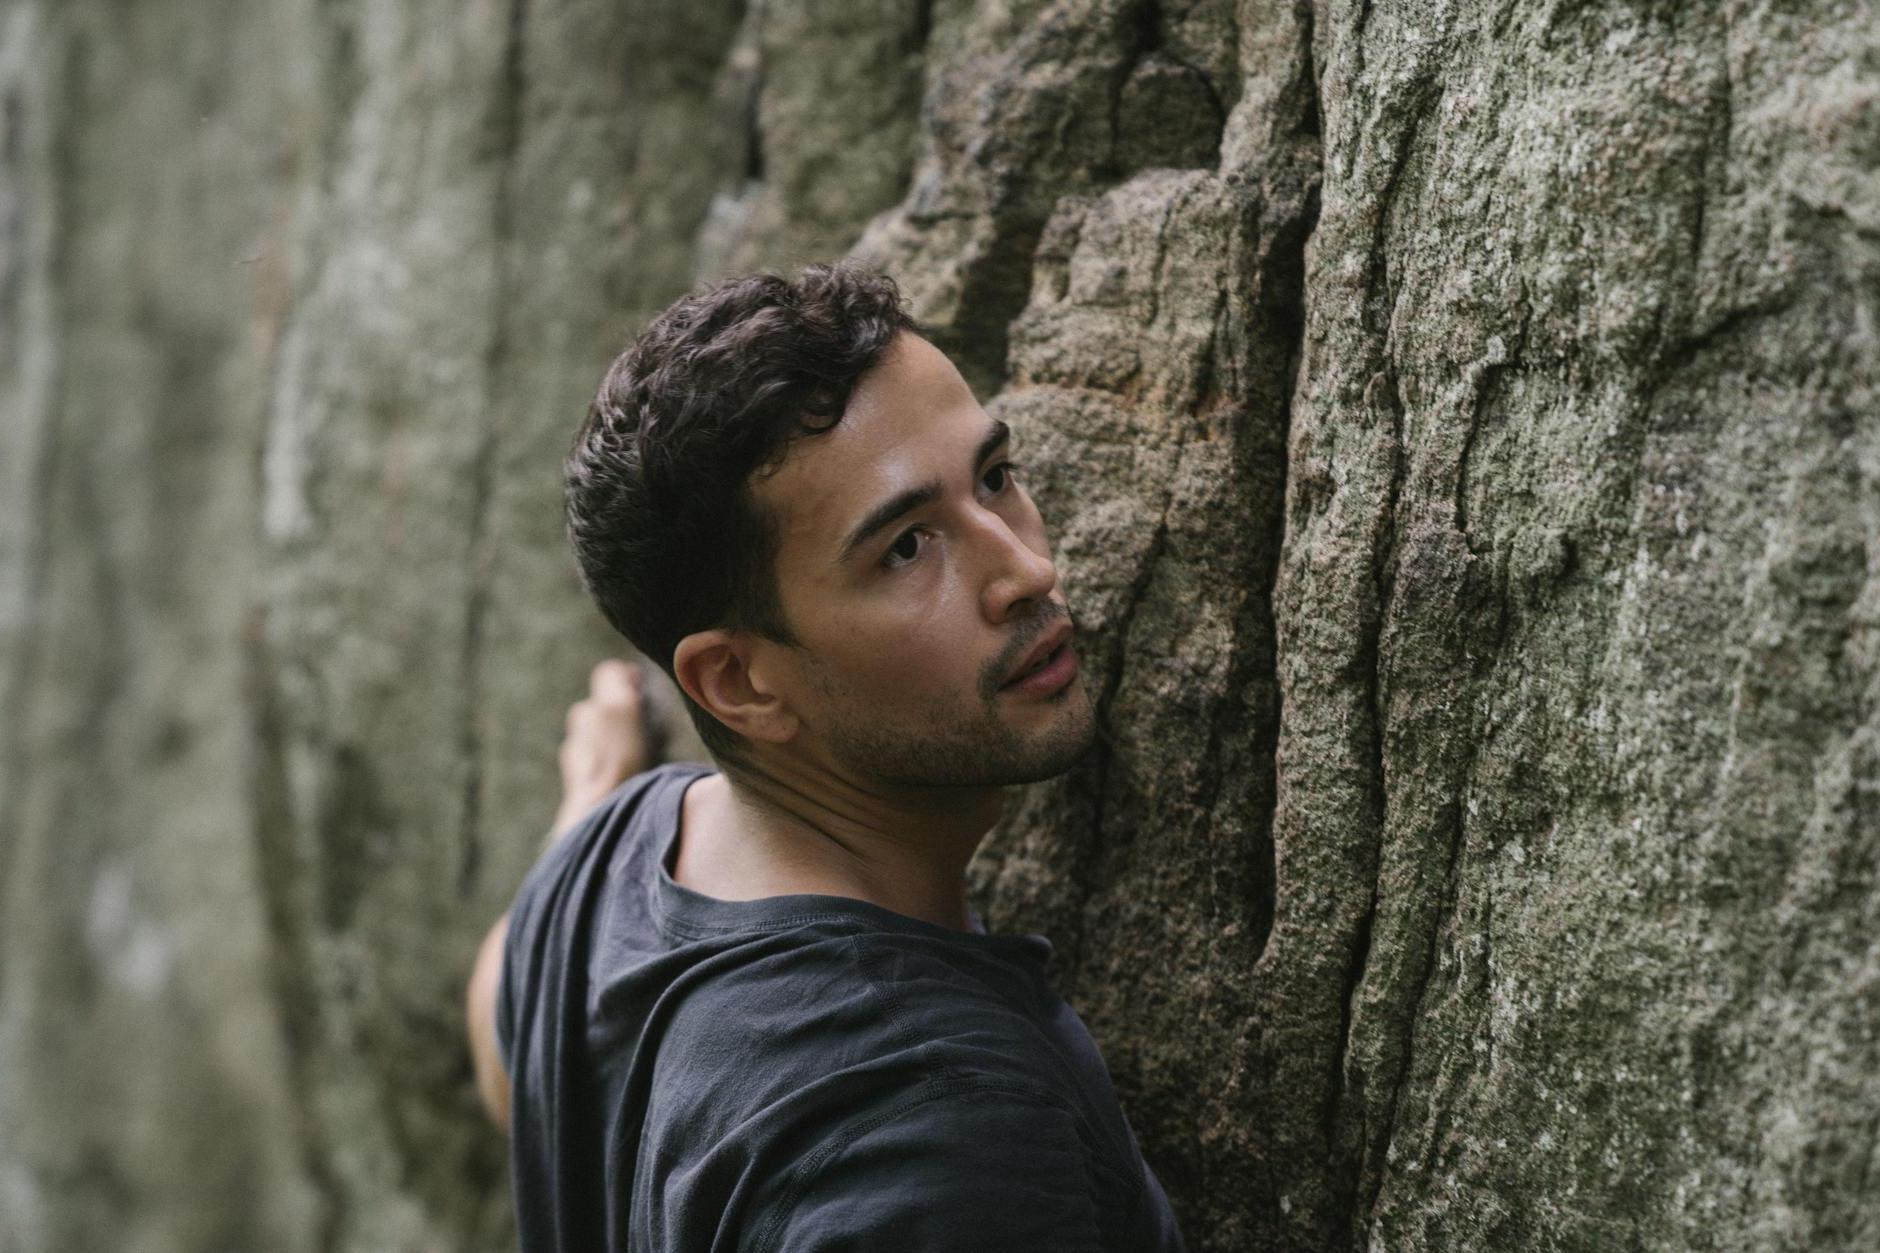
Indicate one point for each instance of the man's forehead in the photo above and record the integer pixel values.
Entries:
(904, 424)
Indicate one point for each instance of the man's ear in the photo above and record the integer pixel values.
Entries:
(714, 668)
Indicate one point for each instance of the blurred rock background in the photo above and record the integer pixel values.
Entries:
(1457, 421)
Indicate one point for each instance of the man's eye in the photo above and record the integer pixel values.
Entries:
(906, 548)
(911, 539)
(1004, 470)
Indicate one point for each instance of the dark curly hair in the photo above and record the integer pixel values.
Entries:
(668, 537)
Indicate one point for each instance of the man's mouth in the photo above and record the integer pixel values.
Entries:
(1042, 662)
(1059, 661)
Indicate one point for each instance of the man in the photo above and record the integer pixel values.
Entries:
(751, 1008)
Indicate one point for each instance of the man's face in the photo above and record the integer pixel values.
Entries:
(911, 627)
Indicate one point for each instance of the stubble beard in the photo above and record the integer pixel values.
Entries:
(985, 750)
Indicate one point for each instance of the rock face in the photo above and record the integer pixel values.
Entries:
(1458, 426)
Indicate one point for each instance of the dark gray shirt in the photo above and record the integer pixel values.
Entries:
(796, 1073)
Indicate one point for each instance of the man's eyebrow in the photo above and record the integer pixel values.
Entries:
(884, 514)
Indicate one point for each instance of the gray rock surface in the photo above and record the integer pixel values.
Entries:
(1458, 428)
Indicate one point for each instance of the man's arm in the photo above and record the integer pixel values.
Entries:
(480, 1010)
(604, 745)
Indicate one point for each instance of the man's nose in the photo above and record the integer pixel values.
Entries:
(1021, 572)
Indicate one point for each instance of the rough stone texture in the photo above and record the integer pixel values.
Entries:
(1575, 931)
(142, 1102)
(1458, 428)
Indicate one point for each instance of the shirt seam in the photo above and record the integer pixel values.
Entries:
(688, 931)
(897, 1019)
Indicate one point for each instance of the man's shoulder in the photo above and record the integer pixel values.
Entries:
(872, 1087)
(831, 987)
(830, 1024)
(959, 1162)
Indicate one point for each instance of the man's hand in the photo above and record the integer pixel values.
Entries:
(606, 743)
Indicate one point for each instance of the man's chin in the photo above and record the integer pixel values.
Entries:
(1006, 751)
(1054, 752)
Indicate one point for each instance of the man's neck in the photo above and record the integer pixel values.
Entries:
(788, 828)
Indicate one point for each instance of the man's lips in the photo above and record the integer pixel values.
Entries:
(1049, 644)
